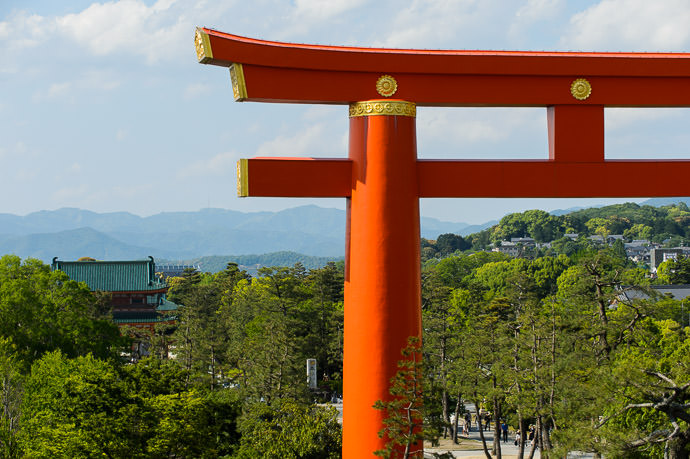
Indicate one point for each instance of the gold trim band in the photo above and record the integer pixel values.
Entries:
(203, 46)
(242, 178)
(383, 107)
(239, 87)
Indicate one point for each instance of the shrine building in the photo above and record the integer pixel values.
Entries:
(137, 295)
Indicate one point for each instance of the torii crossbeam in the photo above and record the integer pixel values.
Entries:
(383, 180)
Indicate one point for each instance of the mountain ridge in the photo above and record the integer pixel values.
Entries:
(71, 233)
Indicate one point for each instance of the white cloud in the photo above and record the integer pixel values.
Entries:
(319, 112)
(127, 26)
(121, 134)
(70, 194)
(312, 141)
(620, 118)
(127, 191)
(631, 25)
(220, 165)
(446, 24)
(307, 15)
(537, 10)
(68, 174)
(91, 80)
(472, 132)
(195, 90)
(4, 30)
(23, 30)
(25, 175)
(58, 89)
(157, 32)
(20, 148)
(321, 10)
(423, 24)
(527, 17)
(101, 80)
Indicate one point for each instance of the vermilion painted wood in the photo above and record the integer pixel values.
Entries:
(382, 278)
(228, 48)
(284, 72)
(299, 177)
(552, 179)
(576, 133)
(271, 84)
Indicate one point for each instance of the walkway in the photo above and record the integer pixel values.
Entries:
(471, 447)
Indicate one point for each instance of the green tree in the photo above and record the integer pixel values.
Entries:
(289, 430)
(322, 316)
(404, 413)
(652, 408)
(11, 391)
(86, 407)
(449, 243)
(675, 271)
(269, 322)
(74, 408)
(42, 311)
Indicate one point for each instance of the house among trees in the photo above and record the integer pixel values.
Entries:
(173, 270)
(137, 294)
(660, 255)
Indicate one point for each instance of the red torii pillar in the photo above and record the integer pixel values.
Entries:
(383, 180)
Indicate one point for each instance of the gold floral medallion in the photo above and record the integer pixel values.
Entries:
(386, 85)
(580, 89)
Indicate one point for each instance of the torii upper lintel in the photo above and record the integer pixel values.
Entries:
(282, 72)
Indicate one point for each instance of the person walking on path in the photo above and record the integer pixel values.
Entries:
(504, 429)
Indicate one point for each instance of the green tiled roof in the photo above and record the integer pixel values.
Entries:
(113, 276)
(167, 306)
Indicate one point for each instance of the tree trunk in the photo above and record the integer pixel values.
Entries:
(533, 447)
(497, 428)
(677, 448)
(481, 430)
(521, 445)
(444, 391)
(456, 419)
(213, 369)
(545, 438)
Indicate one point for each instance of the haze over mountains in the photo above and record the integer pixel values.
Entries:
(70, 233)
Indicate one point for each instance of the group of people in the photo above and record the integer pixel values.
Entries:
(531, 436)
(465, 427)
(464, 424)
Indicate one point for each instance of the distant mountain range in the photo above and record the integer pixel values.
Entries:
(70, 233)
(313, 231)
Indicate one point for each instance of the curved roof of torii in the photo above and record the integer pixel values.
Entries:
(301, 73)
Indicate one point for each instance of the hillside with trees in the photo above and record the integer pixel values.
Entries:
(548, 341)
(668, 225)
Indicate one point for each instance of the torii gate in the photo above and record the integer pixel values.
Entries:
(383, 180)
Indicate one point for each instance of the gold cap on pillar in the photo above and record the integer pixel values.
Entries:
(203, 46)
(383, 107)
(242, 178)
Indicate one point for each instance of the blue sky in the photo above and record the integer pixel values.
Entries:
(103, 105)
